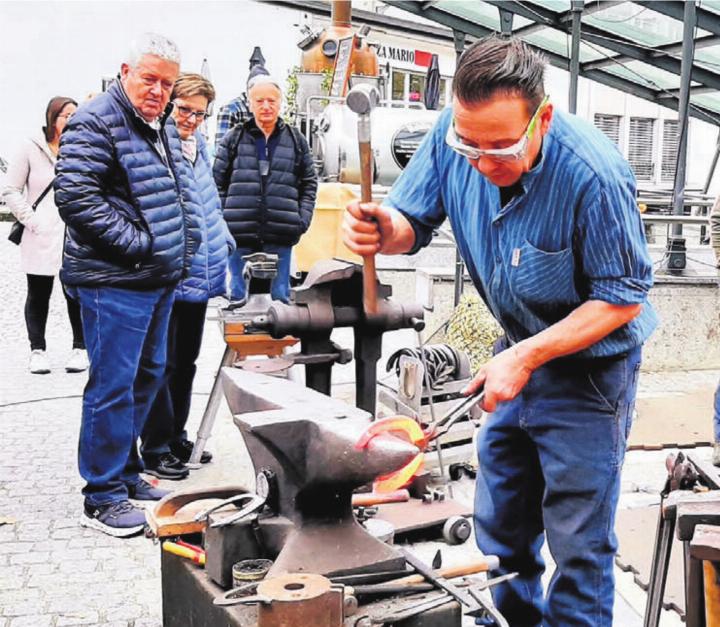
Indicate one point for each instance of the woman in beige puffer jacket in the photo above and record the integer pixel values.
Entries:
(30, 173)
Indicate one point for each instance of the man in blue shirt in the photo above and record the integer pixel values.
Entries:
(543, 209)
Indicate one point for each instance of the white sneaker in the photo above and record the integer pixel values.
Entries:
(39, 363)
(78, 361)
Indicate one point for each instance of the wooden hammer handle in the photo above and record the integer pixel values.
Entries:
(369, 273)
(482, 565)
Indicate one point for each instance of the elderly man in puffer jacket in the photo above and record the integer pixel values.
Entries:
(265, 174)
(118, 188)
(165, 447)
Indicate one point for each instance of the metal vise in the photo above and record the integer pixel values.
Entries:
(332, 297)
(302, 445)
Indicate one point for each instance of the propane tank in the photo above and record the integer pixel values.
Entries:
(396, 134)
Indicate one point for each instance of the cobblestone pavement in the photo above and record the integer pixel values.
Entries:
(55, 573)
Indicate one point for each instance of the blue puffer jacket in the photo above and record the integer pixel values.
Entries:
(127, 222)
(206, 277)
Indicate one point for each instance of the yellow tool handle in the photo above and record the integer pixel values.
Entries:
(182, 551)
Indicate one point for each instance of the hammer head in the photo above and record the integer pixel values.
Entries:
(362, 98)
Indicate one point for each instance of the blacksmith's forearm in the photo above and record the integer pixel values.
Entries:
(585, 326)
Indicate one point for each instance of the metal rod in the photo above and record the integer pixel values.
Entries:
(208, 419)
(426, 380)
(713, 165)
(688, 54)
(577, 10)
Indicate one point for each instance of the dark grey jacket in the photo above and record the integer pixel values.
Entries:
(276, 213)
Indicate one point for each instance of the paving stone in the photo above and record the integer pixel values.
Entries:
(20, 609)
(29, 558)
(36, 620)
(76, 618)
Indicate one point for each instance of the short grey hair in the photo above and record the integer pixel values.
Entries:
(263, 79)
(499, 65)
(154, 44)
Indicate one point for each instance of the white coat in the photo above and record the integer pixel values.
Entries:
(28, 175)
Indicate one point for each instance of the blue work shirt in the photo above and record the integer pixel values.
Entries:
(572, 234)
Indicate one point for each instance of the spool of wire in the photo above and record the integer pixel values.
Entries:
(444, 363)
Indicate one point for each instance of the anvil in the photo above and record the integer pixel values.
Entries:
(303, 447)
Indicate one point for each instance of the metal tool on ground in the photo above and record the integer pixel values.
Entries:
(362, 99)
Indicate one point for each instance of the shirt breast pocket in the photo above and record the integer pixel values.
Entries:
(539, 277)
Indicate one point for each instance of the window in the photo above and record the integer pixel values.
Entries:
(641, 148)
(670, 143)
(415, 87)
(398, 85)
(610, 125)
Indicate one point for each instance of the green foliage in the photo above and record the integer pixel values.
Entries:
(290, 110)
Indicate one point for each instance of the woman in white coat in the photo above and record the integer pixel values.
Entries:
(30, 174)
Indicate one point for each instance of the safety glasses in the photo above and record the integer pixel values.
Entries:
(512, 153)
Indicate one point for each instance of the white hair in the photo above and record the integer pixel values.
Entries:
(263, 79)
(154, 44)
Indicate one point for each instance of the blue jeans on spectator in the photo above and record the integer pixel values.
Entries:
(126, 338)
(280, 287)
(550, 462)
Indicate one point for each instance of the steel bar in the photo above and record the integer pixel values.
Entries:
(577, 11)
(208, 418)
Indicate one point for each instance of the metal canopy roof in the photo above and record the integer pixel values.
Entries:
(635, 47)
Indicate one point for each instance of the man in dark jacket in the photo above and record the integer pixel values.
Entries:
(267, 182)
(117, 189)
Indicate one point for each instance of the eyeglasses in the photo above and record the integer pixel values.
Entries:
(187, 112)
(512, 153)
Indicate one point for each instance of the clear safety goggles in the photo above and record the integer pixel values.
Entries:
(512, 153)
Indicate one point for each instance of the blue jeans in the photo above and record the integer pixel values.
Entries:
(280, 287)
(126, 338)
(550, 462)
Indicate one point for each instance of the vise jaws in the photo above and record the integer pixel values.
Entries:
(332, 297)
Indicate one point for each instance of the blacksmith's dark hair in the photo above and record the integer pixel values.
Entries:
(497, 65)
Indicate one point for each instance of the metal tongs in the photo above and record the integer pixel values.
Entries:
(442, 426)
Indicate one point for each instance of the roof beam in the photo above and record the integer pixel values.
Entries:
(611, 41)
(566, 17)
(667, 49)
(476, 30)
(706, 20)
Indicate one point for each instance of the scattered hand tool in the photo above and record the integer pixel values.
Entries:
(367, 499)
(473, 605)
(254, 504)
(188, 551)
(405, 612)
(362, 99)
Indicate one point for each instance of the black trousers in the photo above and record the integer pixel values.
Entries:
(37, 304)
(166, 422)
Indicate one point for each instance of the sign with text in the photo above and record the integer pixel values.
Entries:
(341, 72)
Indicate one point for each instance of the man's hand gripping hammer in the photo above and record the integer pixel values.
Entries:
(362, 99)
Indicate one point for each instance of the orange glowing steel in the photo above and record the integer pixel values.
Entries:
(401, 426)
(407, 429)
(400, 478)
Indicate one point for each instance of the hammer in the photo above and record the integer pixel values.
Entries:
(362, 99)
